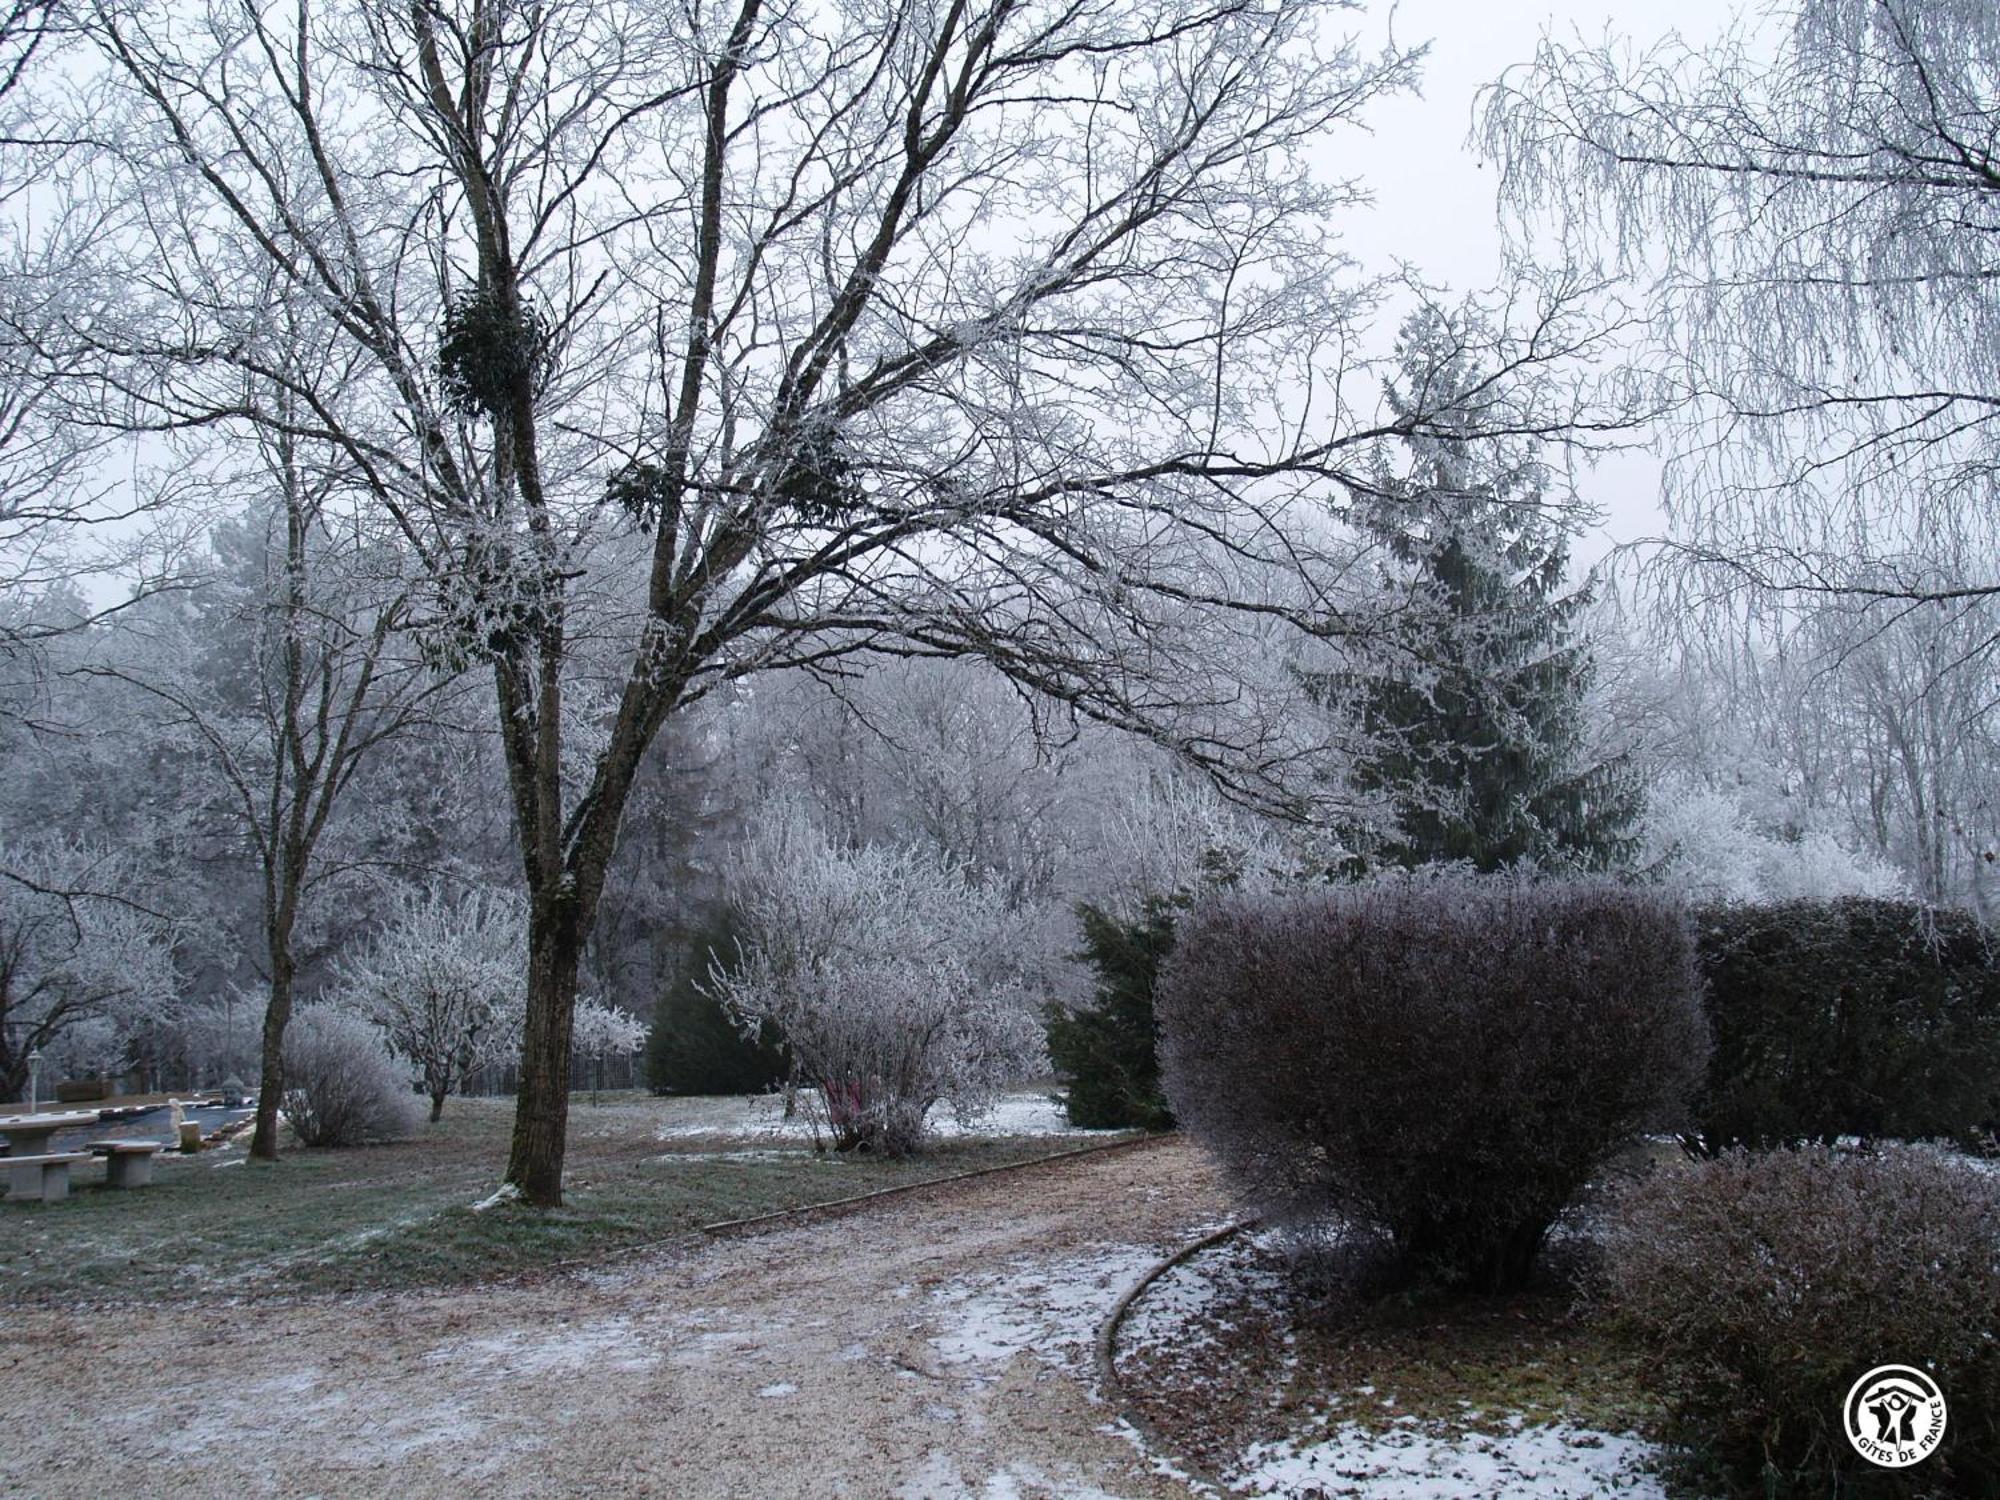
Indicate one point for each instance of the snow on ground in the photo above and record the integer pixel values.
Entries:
(568, 1349)
(1557, 1462)
(1189, 1308)
(1048, 1308)
(1178, 1308)
(941, 1478)
(762, 1117)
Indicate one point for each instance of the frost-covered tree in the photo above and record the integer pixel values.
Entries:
(79, 540)
(1702, 841)
(1814, 200)
(894, 976)
(683, 345)
(1172, 838)
(82, 964)
(604, 1032)
(1869, 723)
(1474, 718)
(443, 982)
(294, 666)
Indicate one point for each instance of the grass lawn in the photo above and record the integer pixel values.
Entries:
(216, 1225)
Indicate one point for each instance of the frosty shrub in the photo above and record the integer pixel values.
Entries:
(1443, 1062)
(343, 1086)
(1708, 846)
(895, 978)
(1759, 1287)
(1106, 1052)
(1851, 1017)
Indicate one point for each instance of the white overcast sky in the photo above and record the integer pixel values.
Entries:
(1434, 204)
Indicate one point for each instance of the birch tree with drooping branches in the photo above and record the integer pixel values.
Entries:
(1814, 202)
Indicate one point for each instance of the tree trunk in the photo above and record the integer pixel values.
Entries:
(277, 1015)
(541, 1110)
(437, 1105)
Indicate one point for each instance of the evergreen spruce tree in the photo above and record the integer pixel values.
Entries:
(1479, 731)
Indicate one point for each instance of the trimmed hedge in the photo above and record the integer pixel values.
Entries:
(1759, 1287)
(1446, 1062)
(1107, 1054)
(1856, 1017)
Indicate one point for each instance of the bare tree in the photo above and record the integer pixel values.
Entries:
(75, 950)
(320, 610)
(1815, 201)
(687, 344)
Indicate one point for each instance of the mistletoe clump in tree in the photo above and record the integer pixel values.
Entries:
(1477, 735)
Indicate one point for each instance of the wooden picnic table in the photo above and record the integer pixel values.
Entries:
(28, 1135)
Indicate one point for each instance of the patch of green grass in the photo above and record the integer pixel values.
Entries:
(394, 1216)
(1473, 1362)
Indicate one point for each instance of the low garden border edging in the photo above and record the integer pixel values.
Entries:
(1107, 1349)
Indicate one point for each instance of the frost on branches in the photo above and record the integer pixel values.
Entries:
(1812, 196)
(1704, 842)
(894, 976)
(444, 983)
(603, 1031)
(82, 969)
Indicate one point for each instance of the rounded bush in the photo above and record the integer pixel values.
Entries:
(1847, 1018)
(343, 1086)
(1446, 1062)
(1759, 1287)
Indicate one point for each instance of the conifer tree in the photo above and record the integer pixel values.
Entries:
(1478, 726)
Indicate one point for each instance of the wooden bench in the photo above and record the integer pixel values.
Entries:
(127, 1164)
(43, 1177)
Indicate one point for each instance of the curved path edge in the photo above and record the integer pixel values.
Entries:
(1107, 1349)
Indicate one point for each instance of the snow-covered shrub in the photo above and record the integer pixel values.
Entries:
(343, 1086)
(895, 978)
(444, 980)
(1758, 1287)
(1851, 1017)
(1705, 844)
(1445, 1062)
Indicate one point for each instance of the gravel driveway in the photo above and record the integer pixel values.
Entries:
(935, 1346)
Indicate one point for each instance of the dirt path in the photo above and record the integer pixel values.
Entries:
(929, 1348)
